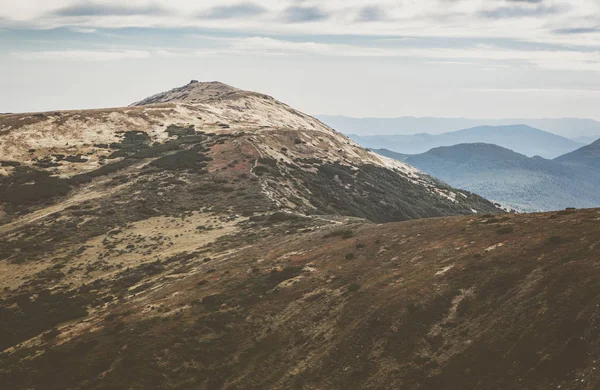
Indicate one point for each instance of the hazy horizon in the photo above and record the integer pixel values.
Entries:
(450, 117)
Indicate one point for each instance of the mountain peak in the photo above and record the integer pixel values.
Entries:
(192, 93)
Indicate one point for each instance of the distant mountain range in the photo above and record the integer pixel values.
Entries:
(512, 179)
(567, 127)
(586, 157)
(586, 139)
(518, 138)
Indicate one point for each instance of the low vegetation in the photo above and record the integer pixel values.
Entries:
(407, 302)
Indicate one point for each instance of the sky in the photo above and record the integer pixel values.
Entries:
(361, 58)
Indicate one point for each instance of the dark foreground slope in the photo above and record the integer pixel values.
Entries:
(470, 302)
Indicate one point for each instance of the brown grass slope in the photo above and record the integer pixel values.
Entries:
(454, 303)
(175, 245)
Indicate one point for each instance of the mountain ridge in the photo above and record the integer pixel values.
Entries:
(566, 127)
(587, 156)
(68, 146)
(519, 138)
(512, 179)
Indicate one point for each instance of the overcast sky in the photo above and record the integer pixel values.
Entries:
(469, 58)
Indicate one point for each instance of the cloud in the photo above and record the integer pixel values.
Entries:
(577, 30)
(304, 14)
(82, 55)
(98, 9)
(521, 11)
(83, 30)
(475, 55)
(352, 27)
(530, 20)
(370, 13)
(525, 1)
(481, 55)
(265, 45)
(240, 10)
(539, 91)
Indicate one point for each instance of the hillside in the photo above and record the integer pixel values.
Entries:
(586, 157)
(464, 302)
(512, 179)
(208, 133)
(518, 138)
(212, 238)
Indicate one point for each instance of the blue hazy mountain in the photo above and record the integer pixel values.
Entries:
(585, 157)
(512, 179)
(567, 127)
(518, 138)
(586, 140)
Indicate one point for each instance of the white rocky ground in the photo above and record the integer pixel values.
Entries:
(211, 107)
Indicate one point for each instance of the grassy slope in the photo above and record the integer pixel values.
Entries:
(461, 302)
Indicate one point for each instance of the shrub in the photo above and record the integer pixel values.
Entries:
(50, 335)
(9, 164)
(201, 283)
(76, 159)
(492, 220)
(186, 159)
(505, 230)
(344, 233)
(260, 170)
(110, 317)
(568, 211)
(29, 185)
(349, 256)
(212, 300)
(268, 161)
(180, 131)
(281, 216)
(555, 240)
(353, 287)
